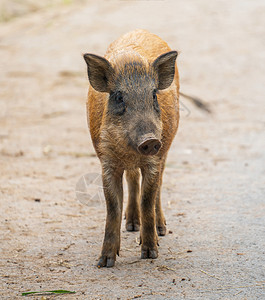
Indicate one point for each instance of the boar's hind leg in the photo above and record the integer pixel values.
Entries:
(112, 184)
(160, 219)
(149, 238)
(132, 214)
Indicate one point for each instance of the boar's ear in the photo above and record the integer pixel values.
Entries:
(99, 72)
(164, 65)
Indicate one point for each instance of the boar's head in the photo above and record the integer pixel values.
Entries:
(133, 85)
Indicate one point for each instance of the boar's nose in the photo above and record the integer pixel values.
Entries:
(149, 146)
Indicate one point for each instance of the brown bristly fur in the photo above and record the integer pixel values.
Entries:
(133, 53)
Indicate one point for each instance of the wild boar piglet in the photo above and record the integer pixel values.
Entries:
(133, 115)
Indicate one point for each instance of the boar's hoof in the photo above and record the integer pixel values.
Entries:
(149, 252)
(105, 261)
(132, 226)
(161, 230)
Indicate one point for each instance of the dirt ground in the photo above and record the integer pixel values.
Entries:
(214, 183)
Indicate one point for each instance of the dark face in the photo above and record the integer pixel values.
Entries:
(133, 105)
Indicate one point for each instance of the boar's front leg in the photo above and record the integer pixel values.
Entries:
(150, 186)
(112, 184)
(160, 218)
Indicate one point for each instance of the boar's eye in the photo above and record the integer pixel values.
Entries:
(154, 95)
(116, 103)
(118, 97)
(156, 105)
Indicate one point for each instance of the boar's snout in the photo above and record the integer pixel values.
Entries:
(149, 146)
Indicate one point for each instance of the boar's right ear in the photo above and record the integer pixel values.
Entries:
(99, 72)
(164, 65)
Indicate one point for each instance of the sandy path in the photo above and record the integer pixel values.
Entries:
(214, 184)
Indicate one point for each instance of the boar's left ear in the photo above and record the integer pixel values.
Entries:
(99, 72)
(164, 65)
